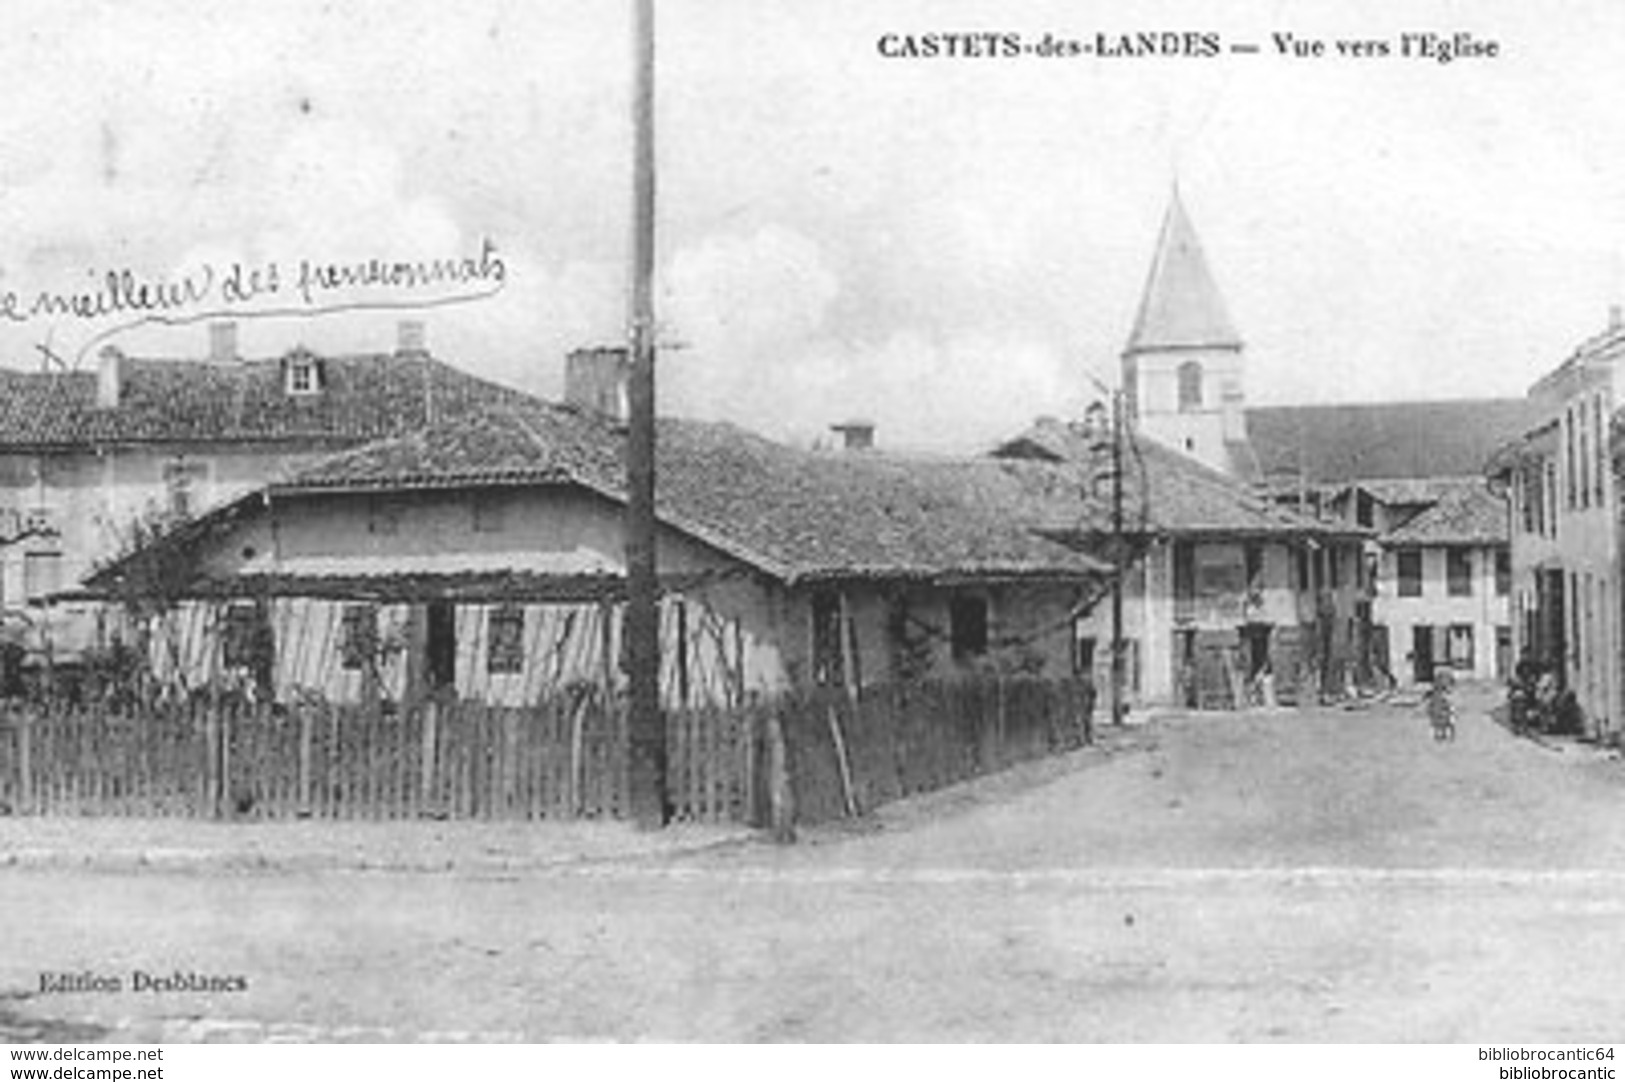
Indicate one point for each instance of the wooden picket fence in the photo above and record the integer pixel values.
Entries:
(835, 754)
(562, 759)
(850, 753)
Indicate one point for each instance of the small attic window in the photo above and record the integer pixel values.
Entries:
(303, 374)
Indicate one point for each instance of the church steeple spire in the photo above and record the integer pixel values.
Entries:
(1180, 307)
(1182, 367)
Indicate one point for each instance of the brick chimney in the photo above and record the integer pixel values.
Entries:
(856, 435)
(411, 337)
(109, 377)
(223, 341)
(1616, 317)
(595, 381)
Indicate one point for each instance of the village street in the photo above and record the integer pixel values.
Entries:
(1324, 876)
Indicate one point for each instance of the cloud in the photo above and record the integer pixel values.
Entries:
(751, 313)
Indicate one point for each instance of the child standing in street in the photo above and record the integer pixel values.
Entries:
(1441, 706)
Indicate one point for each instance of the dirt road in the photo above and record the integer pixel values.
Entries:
(1323, 876)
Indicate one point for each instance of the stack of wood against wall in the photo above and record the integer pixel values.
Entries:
(851, 753)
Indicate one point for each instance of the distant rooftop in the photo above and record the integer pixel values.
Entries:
(1386, 441)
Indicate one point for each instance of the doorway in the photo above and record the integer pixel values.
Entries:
(1422, 657)
(440, 646)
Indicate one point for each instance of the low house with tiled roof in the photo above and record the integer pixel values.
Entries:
(1223, 587)
(488, 559)
(90, 459)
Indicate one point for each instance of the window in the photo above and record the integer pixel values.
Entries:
(505, 643)
(1184, 577)
(184, 480)
(358, 636)
(1551, 499)
(1568, 458)
(247, 642)
(827, 661)
(1253, 559)
(1303, 569)
(1458, 572)
(1365, 508)
(42, 574)
(967, 622)
(1459, 646)
(1534, 498)
(1190, 386)
(304, 376)
(1083, 652)
(1410, 572)
(1599, 438)
(490, 513)
(1503, 572)
(1574, 615)
(1585, 460)
(1334, 567)
(245, 634)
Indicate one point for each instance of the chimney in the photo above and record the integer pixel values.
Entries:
(109, 377)
(223, 341)
(411, 337)
(595, 381)
(1616, 317)
(855, 435)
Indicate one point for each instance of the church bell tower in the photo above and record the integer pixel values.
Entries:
(1182, 367)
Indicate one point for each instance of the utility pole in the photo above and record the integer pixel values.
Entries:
(645, 728)
(1119, 564)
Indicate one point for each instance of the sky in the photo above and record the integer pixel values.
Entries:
(948, 247)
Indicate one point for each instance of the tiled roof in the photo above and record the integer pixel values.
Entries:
(1468, 514)
(796, 514)
(364, 397)
(1185, 497)
(1180, 307)
(1384, 440)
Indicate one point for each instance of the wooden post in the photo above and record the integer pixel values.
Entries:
(578, 717)
(999, 723)
(645, 730)
(25, 761)
(427, 762)
(305, 735)
(781, 791)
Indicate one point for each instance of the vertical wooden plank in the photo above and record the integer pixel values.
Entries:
(306, 723)
(561, 765)
(25, 761)
(427, 756)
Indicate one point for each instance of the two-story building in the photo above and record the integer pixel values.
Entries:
(92, 463)
(1561, 485)
(1229, 599)
(1442, 589)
